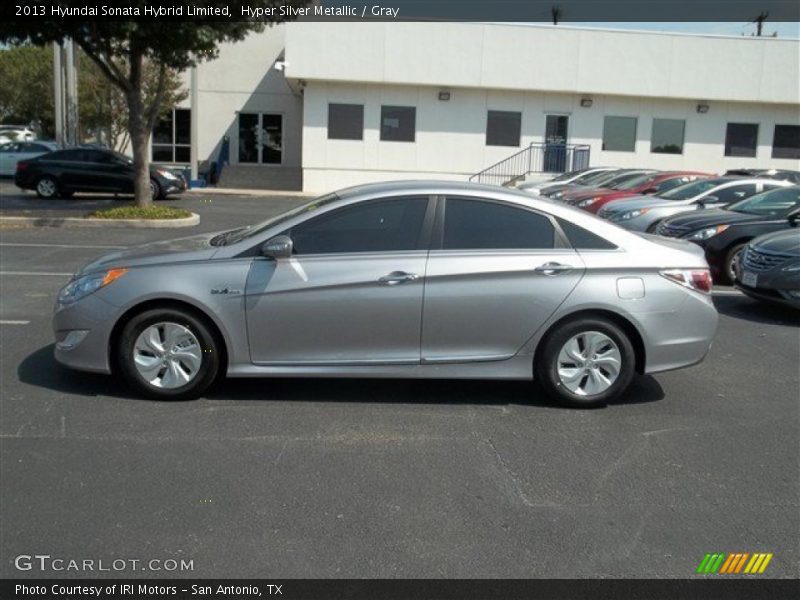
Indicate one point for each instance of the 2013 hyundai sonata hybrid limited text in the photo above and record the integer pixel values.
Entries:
(396, 280)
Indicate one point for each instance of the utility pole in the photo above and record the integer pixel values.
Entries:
(58, 93)
(759, 21)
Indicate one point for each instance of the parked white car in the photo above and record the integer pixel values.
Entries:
(16, 133)
(12, 153)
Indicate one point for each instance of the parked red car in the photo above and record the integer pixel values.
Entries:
(594, 200)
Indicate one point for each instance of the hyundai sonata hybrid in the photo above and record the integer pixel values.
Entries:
(396, 280)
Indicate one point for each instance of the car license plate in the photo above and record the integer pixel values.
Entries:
(749, 279)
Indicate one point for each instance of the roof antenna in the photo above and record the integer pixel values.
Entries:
(759, 21)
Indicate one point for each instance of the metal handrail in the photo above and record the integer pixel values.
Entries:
(536, 158)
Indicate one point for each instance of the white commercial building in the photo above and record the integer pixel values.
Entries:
(357, 102)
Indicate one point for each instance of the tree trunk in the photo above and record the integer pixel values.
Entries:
(139, 131)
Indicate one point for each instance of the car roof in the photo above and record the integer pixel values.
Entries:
(425, 186)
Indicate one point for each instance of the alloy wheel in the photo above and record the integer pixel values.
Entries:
(589, 363)
(167, 355)
(46, 187)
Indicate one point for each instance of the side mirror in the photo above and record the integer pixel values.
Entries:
(278, 247)
(793, 217)
(703, 202)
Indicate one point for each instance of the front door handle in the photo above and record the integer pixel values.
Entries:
(397, 277)
(553, 268)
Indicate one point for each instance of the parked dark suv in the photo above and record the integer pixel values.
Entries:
(64, 172)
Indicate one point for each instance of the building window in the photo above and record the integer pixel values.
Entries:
(345, 121)
(786, 141)
(172, 137)
(503, 128)
(398, 123)
(619, 134)
(741, 139)
(667, 136)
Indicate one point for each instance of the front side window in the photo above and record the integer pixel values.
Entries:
(786, 141)
(667, 137)
(484, 225)
(345, 121)
(503, 128)
(735, 193)
(619, 134)
(390, 225)
(398, 123)
(172, 137)
(741, 139)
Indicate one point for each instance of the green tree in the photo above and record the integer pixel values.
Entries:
(103, 107)
(120, 49)
(26, 92)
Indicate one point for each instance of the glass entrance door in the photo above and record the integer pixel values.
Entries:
(261, 138)
(555, 139)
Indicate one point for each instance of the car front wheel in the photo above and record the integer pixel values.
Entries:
(155, 190)
(47, 187)
(168, 354)
(585, 363)
(732, 261)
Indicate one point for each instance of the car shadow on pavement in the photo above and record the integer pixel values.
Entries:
(41, 370)
(742, 307)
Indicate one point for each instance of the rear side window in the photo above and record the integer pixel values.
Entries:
(735, 193)
(583, 239)
(66, 155)
(389, 225)
(484, 225)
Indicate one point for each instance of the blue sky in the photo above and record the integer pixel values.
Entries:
(785, 30)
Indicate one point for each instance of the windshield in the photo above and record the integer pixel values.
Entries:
(690, 190)
(635, 182)
(774, 202)
(242, 233)
(598, 178)
(569, 175)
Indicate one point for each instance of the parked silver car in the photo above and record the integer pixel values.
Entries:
(574, 177)
(644, 213)
(406, 279)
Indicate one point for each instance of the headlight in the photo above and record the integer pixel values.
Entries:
(166, 174)
(587, 202)
(708, 232)
(632, 214)
(88, 284)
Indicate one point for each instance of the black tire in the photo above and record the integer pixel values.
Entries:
(731, 260)
(155, 191)
(47, 187)
(546, 362)
(652, 227)
(210, 362)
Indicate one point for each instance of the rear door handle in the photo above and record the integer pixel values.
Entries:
(397, 277)
(553, 268)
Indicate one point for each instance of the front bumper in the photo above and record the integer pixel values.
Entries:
(94, 318)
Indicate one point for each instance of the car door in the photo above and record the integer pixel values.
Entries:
(496, 272)
(351, 293)
(9, 155)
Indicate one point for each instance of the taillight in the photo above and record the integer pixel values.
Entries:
(695, 279)
(21, 166)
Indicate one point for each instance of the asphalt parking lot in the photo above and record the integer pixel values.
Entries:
(362, 478)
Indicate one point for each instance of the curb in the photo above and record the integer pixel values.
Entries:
(107, 223)
(250, 192)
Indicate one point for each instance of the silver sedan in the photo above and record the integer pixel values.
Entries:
(403, 280)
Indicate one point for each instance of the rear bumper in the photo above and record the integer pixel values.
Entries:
(681, 338)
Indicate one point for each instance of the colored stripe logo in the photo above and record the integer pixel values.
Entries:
(734, 563)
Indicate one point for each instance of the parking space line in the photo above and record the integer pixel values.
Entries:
(5, 322)
(35, 273)
(727, 293)
(62, 246)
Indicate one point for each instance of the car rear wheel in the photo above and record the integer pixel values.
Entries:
(47, 187)
(732, 261)
(168, 354)
(585, 363)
